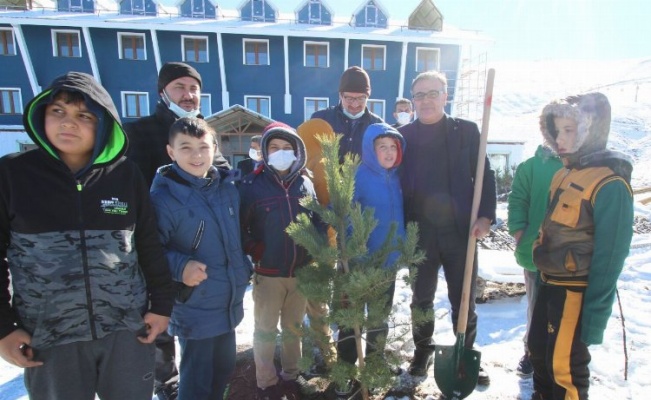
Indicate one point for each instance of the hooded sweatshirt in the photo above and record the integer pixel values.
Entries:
(379, 188)
(586, 234)
(269, 203)
(82, 247)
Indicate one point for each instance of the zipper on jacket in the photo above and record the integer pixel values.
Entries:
(84, 260)
(289, 206)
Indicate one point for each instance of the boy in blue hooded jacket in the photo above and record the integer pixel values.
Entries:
(198, 221)
(377, 185)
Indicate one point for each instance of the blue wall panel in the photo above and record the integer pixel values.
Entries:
(46, 66)
(255, 80)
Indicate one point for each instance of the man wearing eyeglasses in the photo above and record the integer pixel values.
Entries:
(351, 117)
(437, 179)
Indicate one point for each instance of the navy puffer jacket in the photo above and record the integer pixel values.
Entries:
(199, 219)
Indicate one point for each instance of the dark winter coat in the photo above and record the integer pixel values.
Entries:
(82, 248)
(462, 138)
(352, 130)
(148, 139)
(269, 204)
(198, 220)
(379, 188)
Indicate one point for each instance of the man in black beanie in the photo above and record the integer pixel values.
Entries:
(179, 88)
(351, 117)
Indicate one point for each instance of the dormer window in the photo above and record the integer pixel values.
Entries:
(370, 15)
(258, 10)
(314, 12)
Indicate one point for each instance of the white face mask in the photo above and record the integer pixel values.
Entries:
(253, 153)
(403, 118)
(281, 160)
(353, 116)
(176, 109)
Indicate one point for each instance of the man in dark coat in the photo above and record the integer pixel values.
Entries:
(179, 87)
(351, 117)
(438, 175)
(254, 160)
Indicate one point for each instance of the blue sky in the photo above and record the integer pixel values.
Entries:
(529, 29)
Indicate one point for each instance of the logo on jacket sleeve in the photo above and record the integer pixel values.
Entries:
(114, 206)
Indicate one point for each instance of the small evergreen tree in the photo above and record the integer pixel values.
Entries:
(344, 274)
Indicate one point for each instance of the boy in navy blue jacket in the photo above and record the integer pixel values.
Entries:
(198, 221)
(270, 201)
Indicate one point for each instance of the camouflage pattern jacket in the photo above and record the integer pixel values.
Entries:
(82, 248)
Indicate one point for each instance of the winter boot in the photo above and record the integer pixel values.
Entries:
(421, 362)
(483, 378)
(525, 369)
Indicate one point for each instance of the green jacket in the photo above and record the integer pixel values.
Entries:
(528, 201)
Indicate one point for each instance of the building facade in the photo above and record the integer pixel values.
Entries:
(273, 64)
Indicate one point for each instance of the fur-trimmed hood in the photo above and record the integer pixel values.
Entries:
(591, 112)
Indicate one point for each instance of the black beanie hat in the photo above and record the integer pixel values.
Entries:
(355, 80)
(175, 70)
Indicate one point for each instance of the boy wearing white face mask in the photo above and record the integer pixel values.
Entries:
(269, 202)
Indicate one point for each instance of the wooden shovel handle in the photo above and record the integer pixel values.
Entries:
(476, 198)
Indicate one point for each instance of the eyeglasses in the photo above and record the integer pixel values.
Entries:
(432, 94)
(351, 100)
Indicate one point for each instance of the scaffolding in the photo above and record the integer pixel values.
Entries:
(470, 88)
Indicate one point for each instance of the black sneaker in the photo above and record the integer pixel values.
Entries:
(169, 391)
(525, 369)
(537, 396)
(483, 378)
(421, 362)
(270, 393)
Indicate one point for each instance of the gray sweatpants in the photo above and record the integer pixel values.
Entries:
(116, 367)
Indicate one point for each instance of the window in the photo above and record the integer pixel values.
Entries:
(206, 106)
(317, 54)
(195, 48)
(259, 104)
(132, 46)
(256, 52)
(313, 104)
(135, 104)
(373, 57)
(376, 107)
(7, 43)
(427, 59)
(10, 101)
(65, 43)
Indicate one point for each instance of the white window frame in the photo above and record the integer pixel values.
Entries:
(384, 57)
(382, 102)
(310, 42)
(13, 39)
(206, 101)
(244, 43)
(437, 67)
(306, 99)
(123, 97)
(368, 23)
(18, 107)
(120, 48)
(246, 102)
(55, 48)
(196, 37)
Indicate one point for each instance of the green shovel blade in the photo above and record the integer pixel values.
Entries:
(456, 369)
